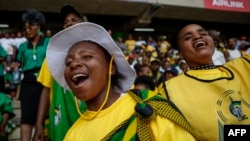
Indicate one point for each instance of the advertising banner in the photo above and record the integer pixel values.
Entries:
(228, 5)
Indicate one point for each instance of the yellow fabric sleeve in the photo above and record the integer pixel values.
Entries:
(161, 128)
(44, 76)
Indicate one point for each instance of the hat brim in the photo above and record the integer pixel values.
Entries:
(61, 42)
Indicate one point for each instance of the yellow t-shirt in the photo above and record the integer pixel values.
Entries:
(122, 109)
(44, 76)
(210, 99)
(152, 49)
(130, 45)
(164, 47)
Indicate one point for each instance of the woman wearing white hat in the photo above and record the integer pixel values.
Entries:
(85, 59)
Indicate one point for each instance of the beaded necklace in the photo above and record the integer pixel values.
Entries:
(204, 67)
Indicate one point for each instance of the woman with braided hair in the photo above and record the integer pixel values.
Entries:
(85, 59)
(30, 57)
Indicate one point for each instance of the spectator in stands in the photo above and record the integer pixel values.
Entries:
(19, 39)
(2, 68)
(131, 60)
(163, 44)
(142, 69)
(146, 59)
(244, 45)
(143, 78)
(9, 46)
(218, 56)
(6, 113)
(167, 75)
(218, 94)
(122, 45)
(144, 82)
(48, 33)
(140, 42)
(95, 69)
(162, 56)
(54, 97)
(165, 65)
(232, 52)
(170, 73)
(130, 43)
(183, 65)
(152, 42)
(155, 72)
(30, 57)
(150, 51)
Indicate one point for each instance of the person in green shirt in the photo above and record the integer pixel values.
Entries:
(6, 113)
(2, 68)
(30, 57)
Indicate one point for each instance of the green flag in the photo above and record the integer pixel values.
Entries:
(63, 112)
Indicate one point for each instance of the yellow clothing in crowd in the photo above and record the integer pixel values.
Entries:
(130, 45)
(225, 97)
(160, 128)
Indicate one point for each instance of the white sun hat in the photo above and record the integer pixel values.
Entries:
(61, 42)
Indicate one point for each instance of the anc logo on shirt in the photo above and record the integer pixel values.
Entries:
(57, 115)
(235, 109)
(232, 108)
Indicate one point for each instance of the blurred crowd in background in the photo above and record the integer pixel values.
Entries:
(152, 56)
